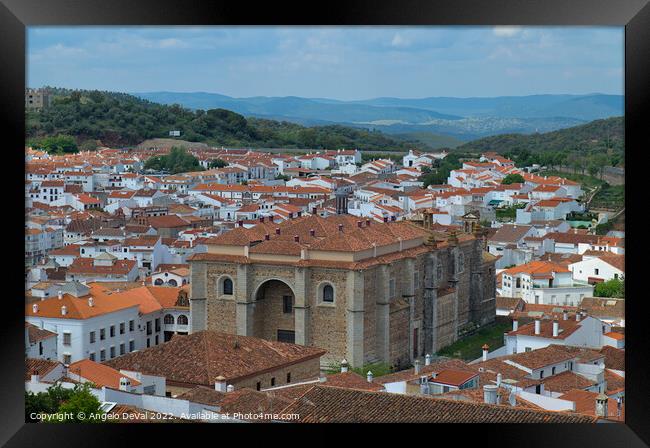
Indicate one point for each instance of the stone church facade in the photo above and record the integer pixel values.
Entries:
(364, 291)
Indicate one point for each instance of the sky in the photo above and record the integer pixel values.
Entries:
(345, 63)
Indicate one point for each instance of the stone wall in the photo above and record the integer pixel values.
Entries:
(366, 323)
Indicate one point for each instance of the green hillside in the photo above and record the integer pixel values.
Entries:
(596, 136)
(118, 119)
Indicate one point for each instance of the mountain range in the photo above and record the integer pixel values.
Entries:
(448, 120)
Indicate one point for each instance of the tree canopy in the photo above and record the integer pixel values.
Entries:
(513, 179)
(58, 400)
(177, 161)
(119, 119)
(611, 288)
(56, 144)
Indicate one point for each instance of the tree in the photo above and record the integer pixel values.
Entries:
(177, 161)
(513, 179)
(82, 405)
(611, 288)
(218, 163)
(58, 144)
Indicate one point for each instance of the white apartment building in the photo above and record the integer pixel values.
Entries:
(97, 324)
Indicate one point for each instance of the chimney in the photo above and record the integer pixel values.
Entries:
(270, 218)
(267, 236)
(261, 218)
(91, 302)
(296, 238)
(601, 405)
(368, 222)
(578, 316)
(36, 378)
(35, 308)
(565, 314)
(344, 365)
(490, 394)
(220, 384)
(125, 384)
(538, 324)
(499, 378)
(416, 366)
(369, 376)
(60, 295)
(277, 230)
(556, 328)
(359, 224)
(314, 210)
(340, 227)
(312, 232)
(427, 360)
(515, 324)
(230, 388)
(393, 218)
(485, 351)
(64, 310)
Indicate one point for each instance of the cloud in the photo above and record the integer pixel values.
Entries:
(506, 31)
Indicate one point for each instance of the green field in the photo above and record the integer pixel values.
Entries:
(609, 196)
(470, 348)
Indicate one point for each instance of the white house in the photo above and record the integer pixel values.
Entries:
(579, 330)
(544, 282)
(598, 267)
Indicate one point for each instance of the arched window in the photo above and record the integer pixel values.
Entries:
(169, 319)
(158, 282)
(227, 287)
(182, 319)
(328, 294)
(461, 262)
(172, 282)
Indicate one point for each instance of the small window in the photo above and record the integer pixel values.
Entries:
(112, 352)
(596, 271)
(169, 319)
(328, 294)
(131, 345)
(272, 381)
(102, 355)
(92, 356)
(182, 319)
(131, 325)
(67, 338)
(258, 385)
(122, 348)
(67, 359)
(157, 340)
(553, 370)
(122, 328)
(528, 349)
(102, 334)
(541, 374)
(112, 332)
(289, 377)
(227, 287)
(148, 342)
(92, 337)
(287, 304)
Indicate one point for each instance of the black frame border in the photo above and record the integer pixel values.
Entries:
(15, 15)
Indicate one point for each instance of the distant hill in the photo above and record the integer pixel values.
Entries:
(593, 137)
(461, 118)
(119, 119)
